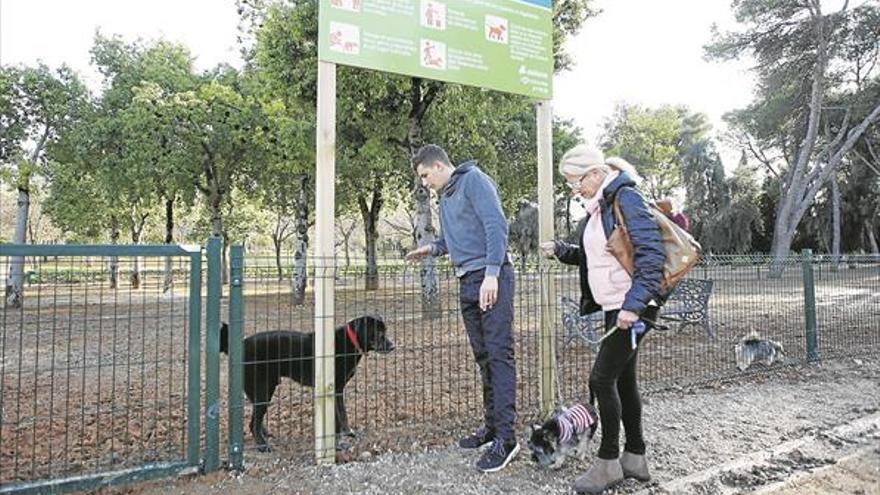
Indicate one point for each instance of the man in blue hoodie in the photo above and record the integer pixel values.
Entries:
(473, 231)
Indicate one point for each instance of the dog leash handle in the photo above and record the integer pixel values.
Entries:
(637, 329)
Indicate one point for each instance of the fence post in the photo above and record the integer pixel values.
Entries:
(548, 306)
(810, 304)
(194, 384)
(212, 356)
(325, 268)
(236, 370)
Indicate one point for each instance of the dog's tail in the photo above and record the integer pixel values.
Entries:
(224, 338)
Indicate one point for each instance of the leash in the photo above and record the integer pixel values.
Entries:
(633, 335)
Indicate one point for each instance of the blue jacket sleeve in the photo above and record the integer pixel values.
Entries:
(483, 195)
(649, 255)
(438, 247)
(570, 254)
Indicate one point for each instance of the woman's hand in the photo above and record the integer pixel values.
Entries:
(548, 248)
(625, 319)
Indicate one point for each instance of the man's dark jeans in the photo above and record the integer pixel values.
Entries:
(491, 337)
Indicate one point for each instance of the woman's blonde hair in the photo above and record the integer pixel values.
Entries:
(583, 158)
(618, 163)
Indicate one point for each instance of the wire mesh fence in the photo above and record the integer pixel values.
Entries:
(94, 365)
(97, 377)
(427, 390)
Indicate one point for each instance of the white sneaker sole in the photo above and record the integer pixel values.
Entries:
(505, 463)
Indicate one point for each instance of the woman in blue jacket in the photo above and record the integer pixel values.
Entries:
(625, 298)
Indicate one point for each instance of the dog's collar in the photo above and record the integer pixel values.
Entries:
(353, 338)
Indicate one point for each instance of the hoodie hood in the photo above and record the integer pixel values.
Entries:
(457, 174)
(610, 191)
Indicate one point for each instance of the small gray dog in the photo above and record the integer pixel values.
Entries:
(754, 349)
(568, 432)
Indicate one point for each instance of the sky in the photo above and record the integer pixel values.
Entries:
(650, 52)
(63, 31)
(638, 51)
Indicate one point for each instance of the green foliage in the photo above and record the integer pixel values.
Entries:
(36, 105)
(238, 144)
(806, 60)
(568, 17)
(657, 142)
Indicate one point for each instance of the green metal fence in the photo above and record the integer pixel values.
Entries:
(427, 390)
(100, 367)
(101, 385)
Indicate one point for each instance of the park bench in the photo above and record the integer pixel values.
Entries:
(688, 305)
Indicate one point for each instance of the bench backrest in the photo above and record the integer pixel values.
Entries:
(693, 293)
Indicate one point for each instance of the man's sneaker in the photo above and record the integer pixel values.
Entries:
(477, 439)
(498, 455)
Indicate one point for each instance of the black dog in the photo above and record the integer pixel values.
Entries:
(268, 356)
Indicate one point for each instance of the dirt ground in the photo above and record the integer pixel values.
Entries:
(801, 429)
(857, 473)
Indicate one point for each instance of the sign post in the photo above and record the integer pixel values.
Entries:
(325, 267)
(503, 45)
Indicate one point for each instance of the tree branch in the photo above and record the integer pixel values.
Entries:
(39, 148)
(853, 136)
(759, 154)
(865, 160)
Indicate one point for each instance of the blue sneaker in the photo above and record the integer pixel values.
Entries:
(498, 455)
(477, 439)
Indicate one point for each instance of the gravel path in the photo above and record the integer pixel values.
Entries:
(737, 437)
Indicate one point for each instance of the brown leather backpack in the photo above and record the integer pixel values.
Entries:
(682, 250)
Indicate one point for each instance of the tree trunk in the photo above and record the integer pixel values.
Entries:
(224, 260)
(299, 277)
(346, 243)
(276, 244)
(168, 281)
(114, 260)
(279, 235)
(782, 237)
(804, 183)
(426, 234)
(217, 231)
(783, 231)
(15, 280)
(872, 239)
(370, 216)
(424, 226)
(835, 224)
(137, 229)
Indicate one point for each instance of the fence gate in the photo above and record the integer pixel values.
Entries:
(99, 366)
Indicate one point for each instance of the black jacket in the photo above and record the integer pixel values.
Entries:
(647, 245)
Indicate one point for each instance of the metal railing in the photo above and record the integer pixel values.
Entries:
(427, 390)
(102, 384)
(99, 385)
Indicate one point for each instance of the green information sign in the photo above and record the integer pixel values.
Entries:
(505, 45)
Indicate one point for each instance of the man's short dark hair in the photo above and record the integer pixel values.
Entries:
(428, 154)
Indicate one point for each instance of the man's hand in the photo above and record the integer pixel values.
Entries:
(488, 292)
(548, 248)
(625, 319)
(417, 254)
